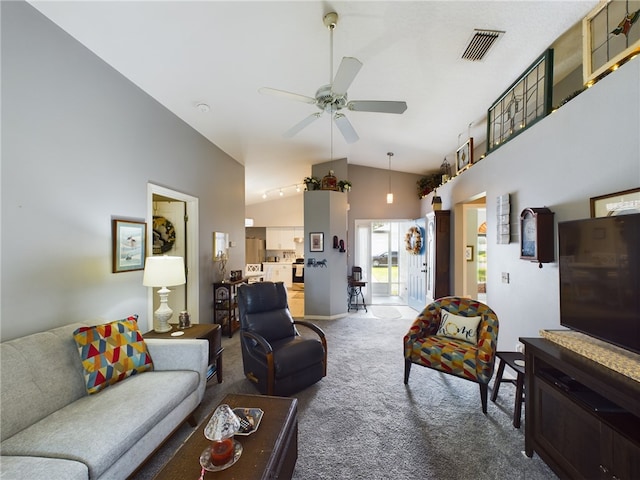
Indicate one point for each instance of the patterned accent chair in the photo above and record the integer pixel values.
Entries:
(276, 358)
(423, 346)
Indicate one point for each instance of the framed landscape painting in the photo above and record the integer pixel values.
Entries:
(128, 245)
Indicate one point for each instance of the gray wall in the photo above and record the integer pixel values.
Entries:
(79, 145)
(589, 147)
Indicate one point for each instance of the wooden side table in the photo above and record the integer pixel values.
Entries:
(515, 360)
(204, 331)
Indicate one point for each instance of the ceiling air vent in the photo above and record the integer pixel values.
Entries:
(480, 43)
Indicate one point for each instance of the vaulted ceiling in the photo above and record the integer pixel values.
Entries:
(220, 53)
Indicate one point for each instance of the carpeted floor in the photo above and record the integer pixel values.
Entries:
(362, 422)
(385, 312)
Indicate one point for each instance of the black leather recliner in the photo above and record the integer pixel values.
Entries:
(276, 358)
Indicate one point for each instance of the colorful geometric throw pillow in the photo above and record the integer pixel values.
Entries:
(111, 352)
(460, 328)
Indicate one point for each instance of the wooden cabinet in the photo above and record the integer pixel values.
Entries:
(437, 248)
(582, 418)
(225, 305)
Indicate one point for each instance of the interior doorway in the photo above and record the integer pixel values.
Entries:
(471, 260)
(175, 231)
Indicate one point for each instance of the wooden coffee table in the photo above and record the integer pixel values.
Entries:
(269, 452)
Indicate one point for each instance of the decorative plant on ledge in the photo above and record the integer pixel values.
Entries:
(312, 183)
(428, 183)
(344, 185)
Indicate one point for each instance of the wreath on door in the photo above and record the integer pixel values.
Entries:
(413, 240)
(164, 235)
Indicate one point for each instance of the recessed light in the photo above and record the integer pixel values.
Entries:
(203, 107)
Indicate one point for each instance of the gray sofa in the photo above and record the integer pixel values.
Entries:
(51, 428)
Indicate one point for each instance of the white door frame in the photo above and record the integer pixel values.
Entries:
(191, 262)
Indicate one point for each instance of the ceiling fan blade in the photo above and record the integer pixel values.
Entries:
(288, 95)
(347, 71)
(345, 127)
(300, 125)
(379, 106)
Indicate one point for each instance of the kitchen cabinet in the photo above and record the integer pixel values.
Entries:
(278, 272)
(282, 238)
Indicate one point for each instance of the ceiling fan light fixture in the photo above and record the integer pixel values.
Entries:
(332, 98)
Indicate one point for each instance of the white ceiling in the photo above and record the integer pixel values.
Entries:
(221, 52)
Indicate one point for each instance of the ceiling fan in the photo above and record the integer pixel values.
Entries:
(332, 98)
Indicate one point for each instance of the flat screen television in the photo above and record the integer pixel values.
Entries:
(599, 260)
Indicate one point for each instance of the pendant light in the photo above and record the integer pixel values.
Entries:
(389, 194)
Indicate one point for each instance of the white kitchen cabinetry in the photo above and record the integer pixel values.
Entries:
(278, 272)
(281, 238)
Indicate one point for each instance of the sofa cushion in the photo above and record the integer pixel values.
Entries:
(97, 429)
(459, 327)
(40, 374)
(111, 352)
(15, 468)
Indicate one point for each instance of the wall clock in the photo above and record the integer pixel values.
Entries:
(536, 235)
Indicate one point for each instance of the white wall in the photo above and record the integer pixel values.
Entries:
(287, 211)
(589, 147)
(79, 145)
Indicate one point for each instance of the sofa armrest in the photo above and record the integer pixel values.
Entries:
(183, 354)
(180, 354)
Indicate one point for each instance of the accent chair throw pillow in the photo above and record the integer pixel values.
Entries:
(458, 327)
(111, 352)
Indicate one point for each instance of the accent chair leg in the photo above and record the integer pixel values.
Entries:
(484, 392)
(407, 370)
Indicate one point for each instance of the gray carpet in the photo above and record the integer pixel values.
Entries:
(362, 422)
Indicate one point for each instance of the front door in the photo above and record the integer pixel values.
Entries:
(417, 276)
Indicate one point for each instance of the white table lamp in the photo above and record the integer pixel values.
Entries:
(163, 271)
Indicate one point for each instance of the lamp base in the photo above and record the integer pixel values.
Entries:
(159, 327)
(163, 314)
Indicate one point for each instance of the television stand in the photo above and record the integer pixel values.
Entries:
(581, 418)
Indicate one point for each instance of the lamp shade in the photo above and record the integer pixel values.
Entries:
(163, 271)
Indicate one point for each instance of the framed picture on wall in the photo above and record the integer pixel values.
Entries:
(619, 203)
(464, 156)
(128, 245)
(316, 242)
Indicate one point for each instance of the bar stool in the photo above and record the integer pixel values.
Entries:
(354, 290)
(515, 360)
